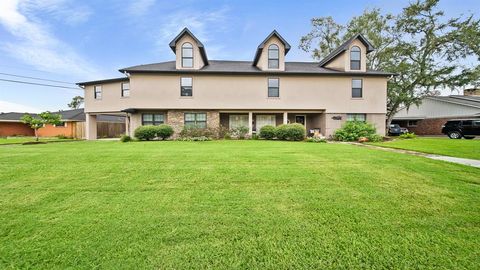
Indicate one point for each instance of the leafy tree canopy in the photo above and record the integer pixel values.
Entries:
(427, 50)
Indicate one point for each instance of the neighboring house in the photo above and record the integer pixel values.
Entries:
(428, 117)
(72, 125)
(193, 90)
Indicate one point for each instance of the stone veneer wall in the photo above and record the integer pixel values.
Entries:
(175, 118)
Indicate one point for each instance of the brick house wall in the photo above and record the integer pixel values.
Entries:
(52, 131)
(14, 129)
(432, 126)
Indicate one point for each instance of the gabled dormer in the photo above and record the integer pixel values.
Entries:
(190, 52)
(270, 55)
(351, 56)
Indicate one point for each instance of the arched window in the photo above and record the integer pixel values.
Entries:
(187, 55)
(355, 58)
(273, 56)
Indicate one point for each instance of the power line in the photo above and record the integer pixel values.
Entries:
(42, 84)
(34, 78)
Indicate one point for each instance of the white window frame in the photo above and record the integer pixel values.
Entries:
(95, 95)
(352, 116)
(233, 123)
(272, 121)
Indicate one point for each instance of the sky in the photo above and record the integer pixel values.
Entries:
(69, 41)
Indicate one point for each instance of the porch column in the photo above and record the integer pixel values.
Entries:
(91, 126)
(127, 125)
(250, 125)
(285, 118)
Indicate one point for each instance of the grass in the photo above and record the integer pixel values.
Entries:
(234, 205)
(440, 146)
(20, 140)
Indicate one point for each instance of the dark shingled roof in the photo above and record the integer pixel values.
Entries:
(344, 47)
(185, 30)
(67, 115)
(246, 67)
(120, 79)
(262, 45)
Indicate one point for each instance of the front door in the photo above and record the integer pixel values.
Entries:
(300, 119)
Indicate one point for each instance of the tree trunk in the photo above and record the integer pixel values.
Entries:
(390, 116)
(36, 135)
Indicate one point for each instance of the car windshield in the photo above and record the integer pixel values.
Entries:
(453, 123)
(394, 126)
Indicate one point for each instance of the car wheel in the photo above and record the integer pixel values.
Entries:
(469, 137)
(454, 135)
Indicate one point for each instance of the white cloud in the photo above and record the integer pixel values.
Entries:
(6, 106)
(34, 42)
(140, 7)
(203, 25)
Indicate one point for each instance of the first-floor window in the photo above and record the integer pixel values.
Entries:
(97, 92)
(356, 117)
(61, 124)
(186, 87)
(196, 120)
(412, 123)
(264, 120)
(273, 87)
(238, 120)
(154, 119)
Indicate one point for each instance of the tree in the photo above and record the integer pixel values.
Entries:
(76, 102)
(43, 118)
(420, 45)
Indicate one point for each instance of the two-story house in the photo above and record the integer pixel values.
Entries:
(193, 90)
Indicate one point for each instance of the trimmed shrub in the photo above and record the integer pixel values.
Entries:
(239, 133)
(164, 131)
(146, 133)
(194, 139)
(190, 132)
(375, 138)
(316, 139)
(268, 132)
(408, 135)
(125, 138)
(352, 130)
(290, 132)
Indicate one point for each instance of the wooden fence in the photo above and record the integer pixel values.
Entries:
(104, 130)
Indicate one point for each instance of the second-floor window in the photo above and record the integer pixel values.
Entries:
(97, 92)
(273, 87)
(125, 89)
(186, 87)
(273, 56)
(357, 91)
(355, 57)
(187, 55)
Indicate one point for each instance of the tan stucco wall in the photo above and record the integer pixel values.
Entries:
(263, 60)
(155, 91)
(377, 119)
(342, 61)
(338, 62)
(197, 58)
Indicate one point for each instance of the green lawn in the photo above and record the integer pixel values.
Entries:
(234, 205)
(20, 140)
(440, 146)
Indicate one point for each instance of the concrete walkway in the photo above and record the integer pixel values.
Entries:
(463, 161)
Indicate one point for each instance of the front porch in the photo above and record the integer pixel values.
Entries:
(314, 121)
